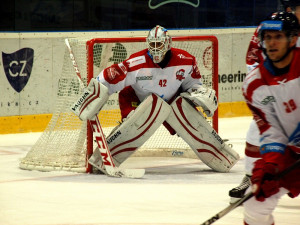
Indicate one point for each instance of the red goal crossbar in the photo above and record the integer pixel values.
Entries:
(90, 70)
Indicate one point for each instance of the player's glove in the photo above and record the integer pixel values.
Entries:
(204, 97)
(91, 101)
(264, 182)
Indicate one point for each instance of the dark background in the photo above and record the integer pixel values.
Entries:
(97, 15)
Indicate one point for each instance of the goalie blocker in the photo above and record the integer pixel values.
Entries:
(193, 128)
(91, 101)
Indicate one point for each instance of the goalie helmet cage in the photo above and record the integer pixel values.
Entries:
(67, 142)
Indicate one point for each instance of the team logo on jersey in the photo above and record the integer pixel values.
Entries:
(180, 75)
(252, 54)
(111, 73)
(267, 100)
(17, 67)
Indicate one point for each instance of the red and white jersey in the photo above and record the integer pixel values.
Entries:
(275, 103)
(255, 54)
(146, 77)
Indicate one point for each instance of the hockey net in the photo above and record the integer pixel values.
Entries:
(67, 142)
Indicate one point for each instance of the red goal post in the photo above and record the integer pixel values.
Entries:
(209, 59)
(67, 142)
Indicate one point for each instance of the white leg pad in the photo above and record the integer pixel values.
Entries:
(193, 128)
(137, 128)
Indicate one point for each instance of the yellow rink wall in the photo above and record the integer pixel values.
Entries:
(37, 123)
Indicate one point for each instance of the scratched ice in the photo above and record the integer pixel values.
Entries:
(173, 190)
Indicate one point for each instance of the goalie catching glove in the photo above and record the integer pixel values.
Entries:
(91, 101)
(204, 97)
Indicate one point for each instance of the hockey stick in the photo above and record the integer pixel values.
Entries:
(110, 168)
(247, 197)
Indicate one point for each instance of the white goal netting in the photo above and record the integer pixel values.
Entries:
(63, 145)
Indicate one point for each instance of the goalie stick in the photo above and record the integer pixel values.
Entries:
(247, 197)
(110, 168)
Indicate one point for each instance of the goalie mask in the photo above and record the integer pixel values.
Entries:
(159, 42)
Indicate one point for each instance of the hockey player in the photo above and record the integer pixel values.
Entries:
(255, 55)
(157, 85)
(272, 93)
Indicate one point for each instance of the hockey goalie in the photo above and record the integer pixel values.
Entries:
(158, 85)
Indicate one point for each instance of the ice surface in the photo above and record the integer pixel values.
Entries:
(173, 190)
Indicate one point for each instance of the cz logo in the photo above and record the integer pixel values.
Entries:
(18, 67)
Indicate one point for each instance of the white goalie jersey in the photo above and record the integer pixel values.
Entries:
(156, 87)
(146, 77)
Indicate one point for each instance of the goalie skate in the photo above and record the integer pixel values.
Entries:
(239, 191)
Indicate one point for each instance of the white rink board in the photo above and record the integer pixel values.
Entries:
(38, 96)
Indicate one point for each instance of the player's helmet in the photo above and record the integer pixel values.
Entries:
(159, 42)
(280, 21)
(283, 21)
(290, 3)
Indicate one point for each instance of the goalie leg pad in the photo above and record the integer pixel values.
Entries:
(137, 128)
(91, 101)
(193, 128)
